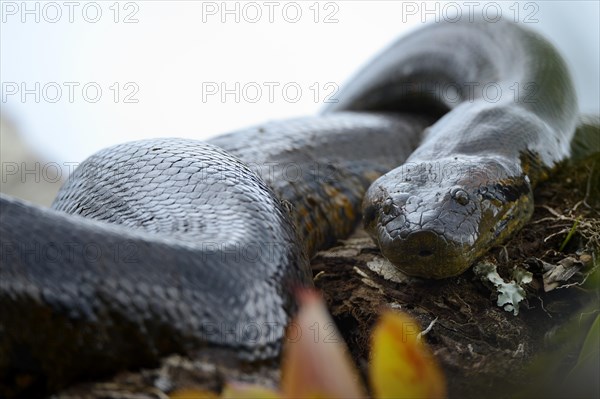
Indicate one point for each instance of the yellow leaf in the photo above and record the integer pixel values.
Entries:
(316, 363)
(401, 366)
(192, 394)
(246, 391)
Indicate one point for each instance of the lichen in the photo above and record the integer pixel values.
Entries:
(509, 294)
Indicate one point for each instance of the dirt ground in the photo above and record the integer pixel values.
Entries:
(481, 346)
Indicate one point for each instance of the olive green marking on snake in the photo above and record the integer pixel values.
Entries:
(427, 220)
(187, 244)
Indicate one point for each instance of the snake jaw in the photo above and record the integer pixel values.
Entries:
(426, 253)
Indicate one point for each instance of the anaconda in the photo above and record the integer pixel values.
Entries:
(511, 114)
(175, 245)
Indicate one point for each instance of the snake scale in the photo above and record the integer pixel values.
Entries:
(173, 245)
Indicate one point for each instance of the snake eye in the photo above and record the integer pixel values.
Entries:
(461, 196)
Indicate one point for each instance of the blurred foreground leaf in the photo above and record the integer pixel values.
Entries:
(401, 366)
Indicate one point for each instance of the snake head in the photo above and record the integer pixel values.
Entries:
(435, 219)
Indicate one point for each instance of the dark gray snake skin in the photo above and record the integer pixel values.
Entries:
(174, 245)
(195, 249)
(512, 114)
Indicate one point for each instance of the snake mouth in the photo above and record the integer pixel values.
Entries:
(424, 253)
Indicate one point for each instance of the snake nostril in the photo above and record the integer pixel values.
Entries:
(425, 253)
(369, 214)
(387, 206)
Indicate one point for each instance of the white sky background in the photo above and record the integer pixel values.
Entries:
(174, 48)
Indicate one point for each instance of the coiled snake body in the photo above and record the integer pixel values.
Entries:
(172, 245)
